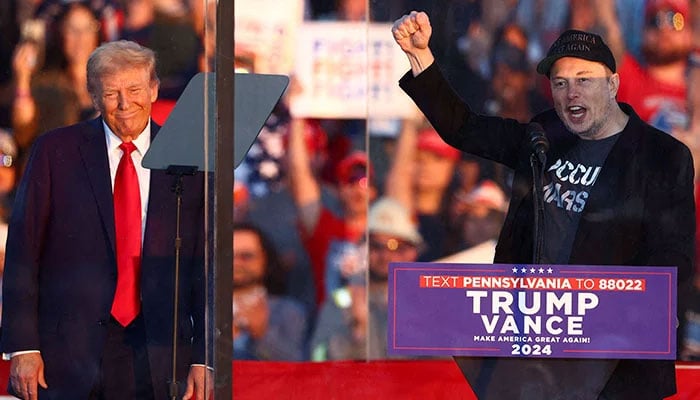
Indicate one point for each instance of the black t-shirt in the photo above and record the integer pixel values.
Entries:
(567, 185)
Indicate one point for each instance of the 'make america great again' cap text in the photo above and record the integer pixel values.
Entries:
(579, 44)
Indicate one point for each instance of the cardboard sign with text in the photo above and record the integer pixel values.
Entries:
(545, 311)
(350, 70)
(268, 29)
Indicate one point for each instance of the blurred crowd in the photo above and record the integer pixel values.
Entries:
(322, 206)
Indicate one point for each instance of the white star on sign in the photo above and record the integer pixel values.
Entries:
(515, 270)
(524, 270)
(549, 270)
(532, 270)
(541, 270)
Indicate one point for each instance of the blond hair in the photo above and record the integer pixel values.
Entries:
(112, 57)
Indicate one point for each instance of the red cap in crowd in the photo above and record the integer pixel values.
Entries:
(315, 138)
(489, 195)
(353, 167)
(681, 6)
(429, 140)
(240, 193)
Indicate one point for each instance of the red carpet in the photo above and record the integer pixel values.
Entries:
(425, 380)
(379, 380)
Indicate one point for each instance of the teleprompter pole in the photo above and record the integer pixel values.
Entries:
(223, 201)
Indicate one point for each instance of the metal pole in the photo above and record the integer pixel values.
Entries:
(223, 201)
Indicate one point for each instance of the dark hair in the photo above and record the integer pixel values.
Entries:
(508, 53)
(275, 275)
(55, 53)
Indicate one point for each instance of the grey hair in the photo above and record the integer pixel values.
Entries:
(115, 56)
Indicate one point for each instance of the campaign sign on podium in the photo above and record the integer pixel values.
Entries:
(543, 311)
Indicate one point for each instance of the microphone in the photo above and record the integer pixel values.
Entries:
(538, 141)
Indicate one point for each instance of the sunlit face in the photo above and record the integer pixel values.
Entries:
(355, 196)
(248, 258)
(384, 249)
(584, 96)
(432, 171)
(80, 35)
(125, 99)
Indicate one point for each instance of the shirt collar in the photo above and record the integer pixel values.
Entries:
(142, 142)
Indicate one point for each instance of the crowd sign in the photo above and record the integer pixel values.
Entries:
(268, 29)
(349, 70)
(544, 311)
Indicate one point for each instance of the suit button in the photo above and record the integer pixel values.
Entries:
(101, 322)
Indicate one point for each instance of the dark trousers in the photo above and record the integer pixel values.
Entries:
(124, 368)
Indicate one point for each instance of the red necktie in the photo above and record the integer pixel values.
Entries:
(127, 223)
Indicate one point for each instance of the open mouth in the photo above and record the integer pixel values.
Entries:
(576, 112)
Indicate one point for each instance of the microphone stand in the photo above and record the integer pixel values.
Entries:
(537, 163)
(178, 171)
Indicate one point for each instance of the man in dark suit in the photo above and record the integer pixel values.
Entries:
(616, 192)
(89, 277)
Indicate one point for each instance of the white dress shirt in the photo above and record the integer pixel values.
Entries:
(114, 154)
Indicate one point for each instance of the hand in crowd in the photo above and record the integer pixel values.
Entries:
(25, 61)
(251, 313)
(352, 263)
(359, 312)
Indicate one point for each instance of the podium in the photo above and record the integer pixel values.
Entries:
(530, 331)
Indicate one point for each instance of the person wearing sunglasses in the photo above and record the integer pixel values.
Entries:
(655, 83)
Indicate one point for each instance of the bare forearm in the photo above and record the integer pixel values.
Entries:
(400, 176)
(23, 108)
(420, 60)
(305, 188)
(607, 15)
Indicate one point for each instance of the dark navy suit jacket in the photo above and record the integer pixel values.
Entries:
(60, 271)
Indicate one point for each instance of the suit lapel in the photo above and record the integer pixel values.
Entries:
(158, 201)
(158, 204)
(93, 151)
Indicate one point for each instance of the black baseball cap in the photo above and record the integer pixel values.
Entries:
(579, 44)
